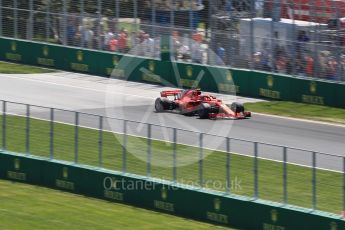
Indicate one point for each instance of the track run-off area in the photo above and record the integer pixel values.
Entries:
(134, 101)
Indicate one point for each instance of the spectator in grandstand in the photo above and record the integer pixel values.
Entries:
(302, 39)
(71, 33)
(149, 46)
(331, 69)
(113, 44)
(265, 58)
(197, 36)
(196, 53)
(87, 37)
(107, 38)
(122, 42)
(175, 43)
(309, 66)
(220, 55)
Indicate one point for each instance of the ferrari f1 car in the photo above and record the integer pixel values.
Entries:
(193, 102)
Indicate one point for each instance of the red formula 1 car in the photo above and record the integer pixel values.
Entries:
(192, 102)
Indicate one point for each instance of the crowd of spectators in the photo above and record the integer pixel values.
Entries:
(192, 46)
(178, 5)
(299, 60)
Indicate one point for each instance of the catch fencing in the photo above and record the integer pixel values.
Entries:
(264, 171)
(265, 35)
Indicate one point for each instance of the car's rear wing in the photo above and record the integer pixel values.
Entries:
(170, 93)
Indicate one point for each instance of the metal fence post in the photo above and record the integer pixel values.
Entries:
(51, 133)
(228, 162)
(285, 175)
(100, 142)
(149, 150)
(124, 147)
(251, 37)
(76, 137)
(135, 15)
(99, 29)
(0, 18)
(117, 14)
(256, 176)
(27, 130)
(174, 155)
(4, 125)
(82, 12)
(314, 179)
(64, 24)
(153, 18)
(201, 156)
(30, 29)
(47, 21)
(15, 18)
(343, 183)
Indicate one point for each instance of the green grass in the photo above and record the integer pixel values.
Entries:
(31, 207)
(299, 110)
(11, 68)
(329, 184)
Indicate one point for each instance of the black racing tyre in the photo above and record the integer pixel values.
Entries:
(237, 107)
(204, 111)
(162, 104)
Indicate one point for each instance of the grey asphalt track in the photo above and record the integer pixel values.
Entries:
(134, 101)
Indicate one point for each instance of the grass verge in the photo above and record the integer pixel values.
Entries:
(299, 110)
(51, 209)
(11, 68)
(270, 179)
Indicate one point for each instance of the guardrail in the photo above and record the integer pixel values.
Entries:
(233, 166)
(163, 196)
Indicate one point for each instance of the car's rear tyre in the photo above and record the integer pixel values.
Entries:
(162, 104)
(204, 111)
(237, 107)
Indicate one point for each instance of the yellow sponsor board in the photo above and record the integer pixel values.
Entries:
(152, 78)
(269, 93)
(228, 88)
(118, 73)
(113, 195)
(273, 225)
(13, 57)
(16, 175)
(162, 205)
(187, 83)
(80, 67)
(311, 99)
(63, 184)
(45, 61)
(216, 216)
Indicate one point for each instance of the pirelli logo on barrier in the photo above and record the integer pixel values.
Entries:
(64, 183)
(45, 60)
(16, 174)
(80, 67)
(13, 55)
(163, 203)
(312, 98)
(149, 74)
(216, 215)
(274, 219)
(269, 92)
